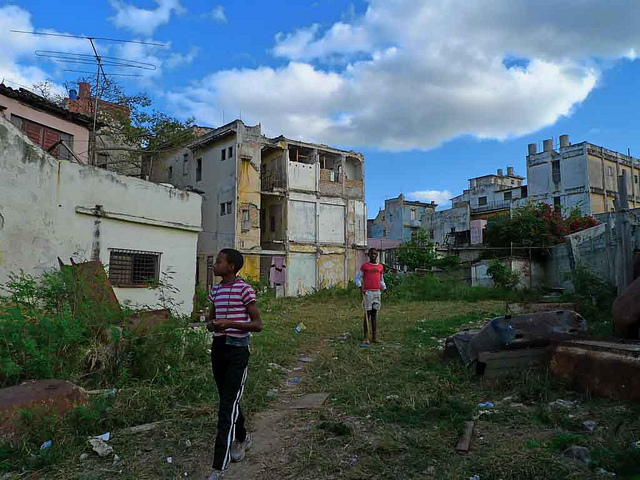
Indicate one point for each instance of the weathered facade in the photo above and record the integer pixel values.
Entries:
(583, 176)
(486, 197)
(50, 209)
(400, 219)
(279, 201)
(46, 124)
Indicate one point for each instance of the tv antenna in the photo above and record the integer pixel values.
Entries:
(100, 62)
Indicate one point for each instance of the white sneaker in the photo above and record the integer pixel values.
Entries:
(239, 449)
(215, 475)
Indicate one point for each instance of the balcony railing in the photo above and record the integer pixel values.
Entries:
(491, 206)
(272, 180)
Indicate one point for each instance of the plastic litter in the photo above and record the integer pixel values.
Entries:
(301, 327)
(475, 477)
(589, 425)
(169, 459)
(104, 437)
(187, 443)
(486, 405)
(46, 445)
(293, 381)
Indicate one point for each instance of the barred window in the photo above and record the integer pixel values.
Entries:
(133, 268)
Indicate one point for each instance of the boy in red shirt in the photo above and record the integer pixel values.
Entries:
(370, 280)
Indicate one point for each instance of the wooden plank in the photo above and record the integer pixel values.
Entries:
(465, 439)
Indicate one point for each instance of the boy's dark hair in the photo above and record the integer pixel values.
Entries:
(235, 257)
(372, 249)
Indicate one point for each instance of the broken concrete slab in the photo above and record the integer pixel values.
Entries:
(529, 330)
(502, 363)
(310, 401)
(606, 369)
(41, 397)
(456, 347)
(102, 448)
(465, 439)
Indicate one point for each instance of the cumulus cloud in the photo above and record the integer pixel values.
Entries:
(144, 21)
(441, 197)
(218, 14)
(414, 73)
(179, 60)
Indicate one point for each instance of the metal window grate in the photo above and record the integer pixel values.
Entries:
(133, 267)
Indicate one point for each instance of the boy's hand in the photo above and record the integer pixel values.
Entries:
(221, 325)
(362, 291)
(211, 326)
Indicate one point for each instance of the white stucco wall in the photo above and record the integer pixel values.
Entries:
(302, 176)
(45, 213)
(80, 134)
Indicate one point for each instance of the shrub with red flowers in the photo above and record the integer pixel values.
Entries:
(536, 225)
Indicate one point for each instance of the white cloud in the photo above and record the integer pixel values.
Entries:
(178, 60)
(218, 14)
(144, 21)
(414, 73)
(19, 65)
(441, 197)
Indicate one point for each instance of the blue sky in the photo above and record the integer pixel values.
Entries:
(431, 92)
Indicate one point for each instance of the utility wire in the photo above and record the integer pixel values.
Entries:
(90, 38)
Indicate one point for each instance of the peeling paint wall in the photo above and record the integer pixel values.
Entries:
(302, 176)
(331, 270)
(42, 201)
(301, 273)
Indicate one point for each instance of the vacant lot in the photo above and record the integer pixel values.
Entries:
(394, 410)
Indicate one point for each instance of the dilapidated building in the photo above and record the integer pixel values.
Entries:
(400, 219)
(583, 176)
(294, 209)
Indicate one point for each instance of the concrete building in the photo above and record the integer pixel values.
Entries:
(52, 208)
(47, 124)
(583, 176)
(486, 197)
(296, 210)
(400, 219)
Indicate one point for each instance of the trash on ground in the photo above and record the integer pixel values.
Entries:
(102, 448)
(486, 405)
(465, 439)
(279, 367)
(272, 393)
(563, 404)
(169, 459)
(45, 445)
(187, 443)
(306, 359)
(602, 472)
(116, 458)
(525, 331)
(294, 381)
(475, 477)
(142, 428)
(589, 425)
(301, 327)
(84, 457)
(392, 397)
(580, 454)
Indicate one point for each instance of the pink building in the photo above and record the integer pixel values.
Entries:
(47, 124)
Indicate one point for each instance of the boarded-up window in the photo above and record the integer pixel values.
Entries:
(133, 268)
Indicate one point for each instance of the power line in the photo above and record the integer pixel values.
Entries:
(104, 73)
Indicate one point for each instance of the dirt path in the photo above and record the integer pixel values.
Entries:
(269, 430)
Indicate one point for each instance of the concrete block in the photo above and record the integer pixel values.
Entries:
(41, 397)
(497, 364)
(606, 369)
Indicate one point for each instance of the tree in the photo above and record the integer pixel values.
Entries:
(417, 253)
(132, 131)
(535, 225)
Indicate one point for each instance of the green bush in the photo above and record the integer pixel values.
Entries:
(503, 277)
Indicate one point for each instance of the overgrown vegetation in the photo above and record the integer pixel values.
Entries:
(503, 277)
(594, 298)
(419, 253)
(535, 225)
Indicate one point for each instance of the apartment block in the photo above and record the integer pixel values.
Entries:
(583, 176)
(400, 219)
(294, 209)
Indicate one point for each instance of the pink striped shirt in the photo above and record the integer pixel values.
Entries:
(231, 300)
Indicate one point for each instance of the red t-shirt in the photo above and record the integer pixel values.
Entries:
(371, 274)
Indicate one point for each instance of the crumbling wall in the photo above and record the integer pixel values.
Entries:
(51, 206)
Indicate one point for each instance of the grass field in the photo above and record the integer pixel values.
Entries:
(395, 410)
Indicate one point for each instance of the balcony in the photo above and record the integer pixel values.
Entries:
(273, 180)
(491, 206)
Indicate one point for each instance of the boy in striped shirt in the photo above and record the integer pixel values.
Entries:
(234, 314)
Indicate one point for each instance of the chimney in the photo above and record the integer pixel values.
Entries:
(510, 171)
(564, 141)
(85, 91)
(500, 172)
(533, 149)
(547, 145)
